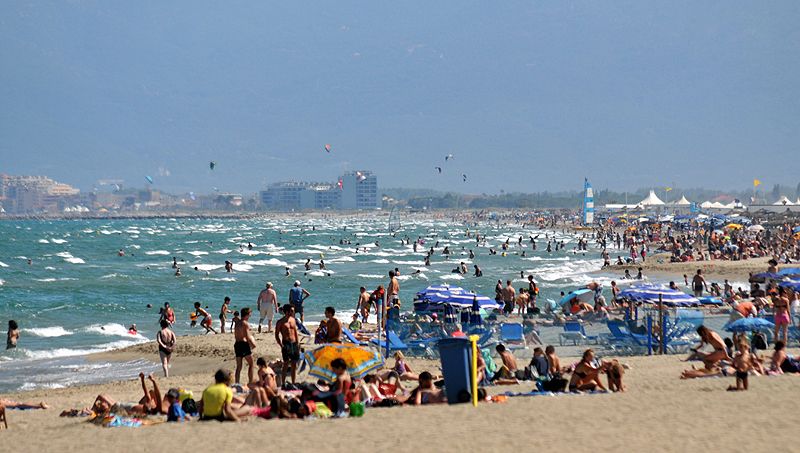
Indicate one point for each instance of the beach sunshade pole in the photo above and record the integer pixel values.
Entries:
(662, 337)
(474, 369)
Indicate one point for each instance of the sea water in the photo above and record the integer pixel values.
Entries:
(78, 296)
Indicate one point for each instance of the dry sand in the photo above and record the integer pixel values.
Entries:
(659, 412)
(658, 265)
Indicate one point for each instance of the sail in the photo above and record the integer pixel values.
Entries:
(588, 203)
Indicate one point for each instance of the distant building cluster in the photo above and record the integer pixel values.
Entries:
(353, 190)
(23, 194)
(34, 195)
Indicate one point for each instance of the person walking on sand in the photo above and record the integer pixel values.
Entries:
(698, 283)
(166, 345)
(297, 297)
(206, 322)
(223, 313)
(243, 345)
(267, 305)
(287, 338)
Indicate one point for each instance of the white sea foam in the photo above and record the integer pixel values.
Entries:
(157, 252)
(113, 329)
(58, 241)
(320, 273)
(221, 279)
(44, 241)
(241, 267)
(269, 262)
(74, 260)
(380, 261)
(2, 264)
(208, 267)
(451, 277)
(371, 276)
(198, 253)
(51, 279)
(48, 332)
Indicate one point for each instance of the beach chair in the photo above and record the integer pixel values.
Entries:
(575, 332)
(620, 339)
(512, 335)
(392, 342)
(352, 338)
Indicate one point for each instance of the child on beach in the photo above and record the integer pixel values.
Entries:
(742, 363)
(206, 321)
(223, 312)
(175, 412)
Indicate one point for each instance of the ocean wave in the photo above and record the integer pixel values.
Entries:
(198, 253)
(51, 279)
(47, 332)
(43, 241)
(157, 252)
(241, 267)
(2, 264)
(208, 267)
(379, 261)
(269, 262)
(220, 279)
(114, 275)
(451, 277)
(58, 241)
(371, 276)
(113, 329)
(74, 260)
(320, 273)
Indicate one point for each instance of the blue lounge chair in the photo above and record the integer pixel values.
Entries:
(512, 335)
(392, 342)
(352, 338)
(575, 332)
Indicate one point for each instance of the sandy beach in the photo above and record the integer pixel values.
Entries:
(658, 265)
(659, 412)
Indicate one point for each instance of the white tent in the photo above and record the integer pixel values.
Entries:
(706, 205)
(652, 200)
(717, 205)
(784, 202)
(683, 202)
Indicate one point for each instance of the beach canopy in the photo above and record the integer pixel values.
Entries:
(755, 228)
(360, 361)
(453, 295)
(583, 295)
(749, 325)
(649, 293)
(651, 200)
(764, 276)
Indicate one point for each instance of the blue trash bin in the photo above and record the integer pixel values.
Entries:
(456, 356)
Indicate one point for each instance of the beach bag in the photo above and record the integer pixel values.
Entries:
(189, 406)
(322, 411)
(759, 341)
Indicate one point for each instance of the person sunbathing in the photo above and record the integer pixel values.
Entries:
(781, 362)
(335, 398)
(11, 404)
(426, 392)
(267, 380)
(150, 404)
(586, 377)
(404, 372)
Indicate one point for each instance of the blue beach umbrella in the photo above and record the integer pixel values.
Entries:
(794, 285)
(790, 272)
(749, 325)
(649, 294)
(450, 314)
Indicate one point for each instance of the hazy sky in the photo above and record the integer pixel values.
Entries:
(528, 95)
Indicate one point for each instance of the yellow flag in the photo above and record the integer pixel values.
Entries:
(756, 182)
(667, 189)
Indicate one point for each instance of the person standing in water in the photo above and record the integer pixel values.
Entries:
(13, 334)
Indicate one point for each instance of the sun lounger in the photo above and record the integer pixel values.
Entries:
(391, 343)
(512, 335)
(352, 338)
(576, 333)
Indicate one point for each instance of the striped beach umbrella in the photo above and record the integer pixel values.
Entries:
(450, 314)
(650, 293)
(360, 361)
